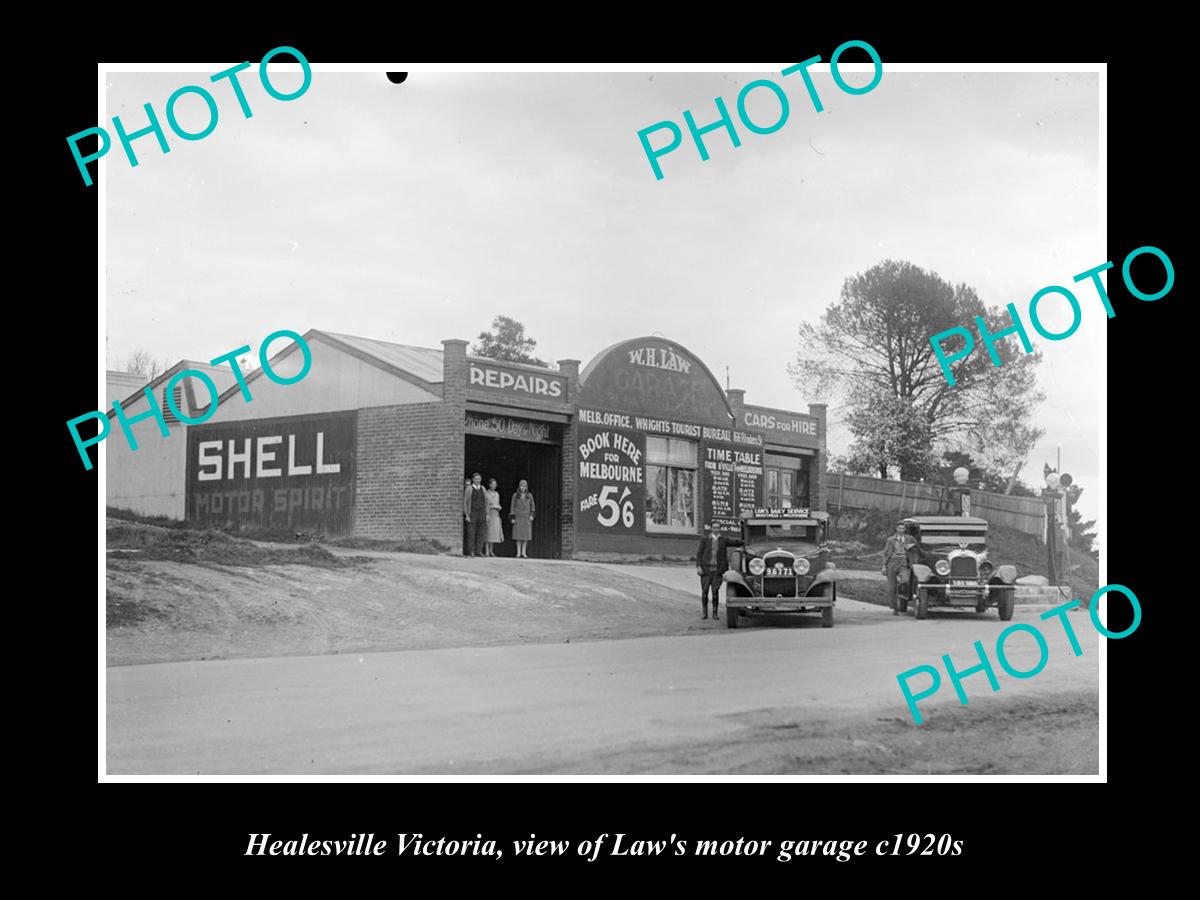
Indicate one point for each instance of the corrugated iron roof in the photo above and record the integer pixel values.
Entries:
(424, 363)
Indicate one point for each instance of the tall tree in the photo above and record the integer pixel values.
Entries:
(872, 347)
(1083, 534)
(142, 362)
(507, 341)
(888, 431)
(980, 475)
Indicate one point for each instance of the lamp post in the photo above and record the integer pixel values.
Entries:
(1051, 496)
(960, 494)
(1065, 481)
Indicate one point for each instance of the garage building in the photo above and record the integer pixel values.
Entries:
(630, 455)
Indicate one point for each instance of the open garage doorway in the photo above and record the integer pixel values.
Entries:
(540, 464)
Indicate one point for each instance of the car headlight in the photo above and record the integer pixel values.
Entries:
(942, 567)
(985, 569)
(757, 566)
(800, 565)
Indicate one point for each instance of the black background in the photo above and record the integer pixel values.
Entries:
(1065, 832)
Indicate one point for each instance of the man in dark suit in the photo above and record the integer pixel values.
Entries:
(712, 561)
(896, 550)
(475, 515)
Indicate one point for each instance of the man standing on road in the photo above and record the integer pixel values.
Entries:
(712, 560)
(475, 515)
(895, 558)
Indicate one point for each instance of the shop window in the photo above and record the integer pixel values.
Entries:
(786, 480)
(671, 482)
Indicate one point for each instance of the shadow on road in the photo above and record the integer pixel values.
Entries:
(780, 620)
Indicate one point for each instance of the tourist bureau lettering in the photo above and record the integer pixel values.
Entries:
(669, 427)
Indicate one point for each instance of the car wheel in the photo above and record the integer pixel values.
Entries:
(827, 617)
(731, 617)
(922, 604)
(902, 601)
(1005, 606)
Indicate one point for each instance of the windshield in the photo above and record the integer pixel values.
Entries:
(785, 531)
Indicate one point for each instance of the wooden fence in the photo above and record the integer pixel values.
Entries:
(1027, 514)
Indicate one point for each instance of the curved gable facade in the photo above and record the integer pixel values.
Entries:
(654, 377)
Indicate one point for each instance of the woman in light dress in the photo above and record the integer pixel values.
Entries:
(495, 531)
(521, 512)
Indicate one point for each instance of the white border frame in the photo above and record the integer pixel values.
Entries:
(103, 69)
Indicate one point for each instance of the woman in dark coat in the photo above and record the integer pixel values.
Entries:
(521, 513)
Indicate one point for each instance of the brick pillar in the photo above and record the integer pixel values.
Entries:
(737, 399)
(817, 489)
(454, 409)
(570, 441)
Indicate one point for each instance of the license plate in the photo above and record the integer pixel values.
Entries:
(960, 583)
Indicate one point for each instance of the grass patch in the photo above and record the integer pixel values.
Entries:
(127, 515)
(132, 536)
(427, 546)
(212, 547)
(635, 559)
(121, 613)
(865, 591)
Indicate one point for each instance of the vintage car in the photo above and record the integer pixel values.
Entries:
(950, 567)
(782, 566)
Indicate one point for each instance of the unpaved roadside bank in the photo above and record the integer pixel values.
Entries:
(1057, 734)
(163, 610)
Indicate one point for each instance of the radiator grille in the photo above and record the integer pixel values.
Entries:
(964, 567)
(783, 587)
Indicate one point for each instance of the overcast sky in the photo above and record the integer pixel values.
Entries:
(418, 212)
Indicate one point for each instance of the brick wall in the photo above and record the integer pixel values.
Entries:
(570, 440)
(407, 481)
(410, 463)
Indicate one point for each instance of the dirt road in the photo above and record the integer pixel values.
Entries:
(761, 700)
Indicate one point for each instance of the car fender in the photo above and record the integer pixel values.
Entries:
(1007, 574)
(825, 575)
(734, 578)
(820, 588)
(922, 572)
